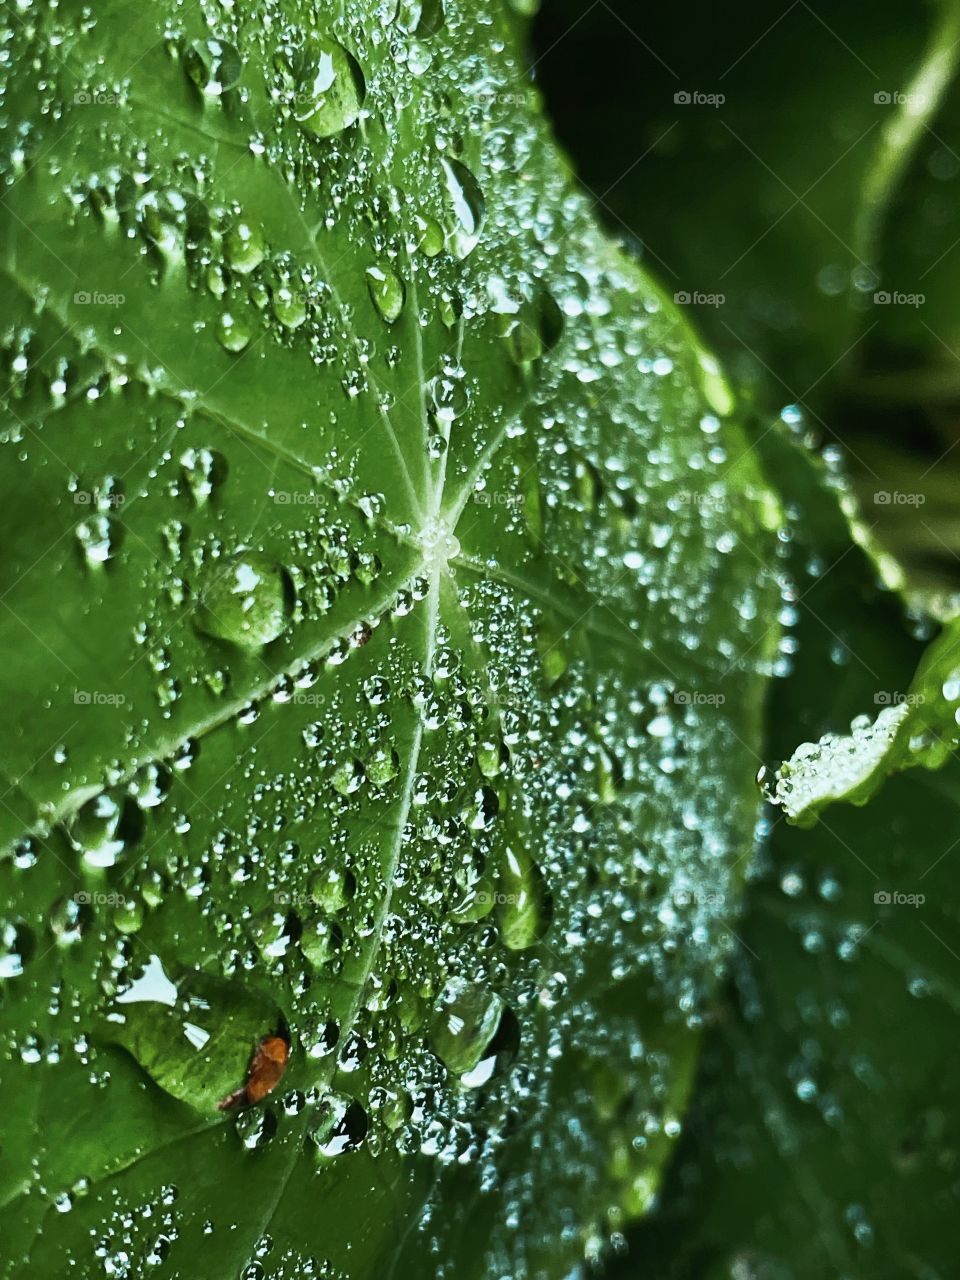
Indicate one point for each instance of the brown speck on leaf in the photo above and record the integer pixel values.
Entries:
(266, 1069)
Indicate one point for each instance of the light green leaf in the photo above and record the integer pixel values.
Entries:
(918, 726)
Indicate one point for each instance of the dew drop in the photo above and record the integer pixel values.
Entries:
(387, 291)
(247, 604)
(330, 89)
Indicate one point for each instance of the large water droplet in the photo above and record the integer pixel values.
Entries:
(103, 828)
(244, 247)
(234, 331)
(248, 603)
(330, 90)
(340, 1125)
(473, 1032)
(387, 291)
(213, 65)
(524, 903)
(198, 1036)
(467, 204)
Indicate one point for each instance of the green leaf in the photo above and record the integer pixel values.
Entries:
(918, 726)
(388, 604)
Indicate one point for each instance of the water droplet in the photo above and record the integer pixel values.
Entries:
(17, 945)
(248, 604)
(255, 1127)
(203, 470)
(468, 206)
(196, 1035)
(234, 331)
(340, 1125)
(289, 307)
(421, 18)
(103, 828)
(387, 291)
(98, 538)
(524, 903)
(332, 888)
(330, 89)
(244, 247)
(321, 940)
(473, 1032)
(213, 65)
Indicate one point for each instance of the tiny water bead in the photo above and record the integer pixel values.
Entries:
(248, 602)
